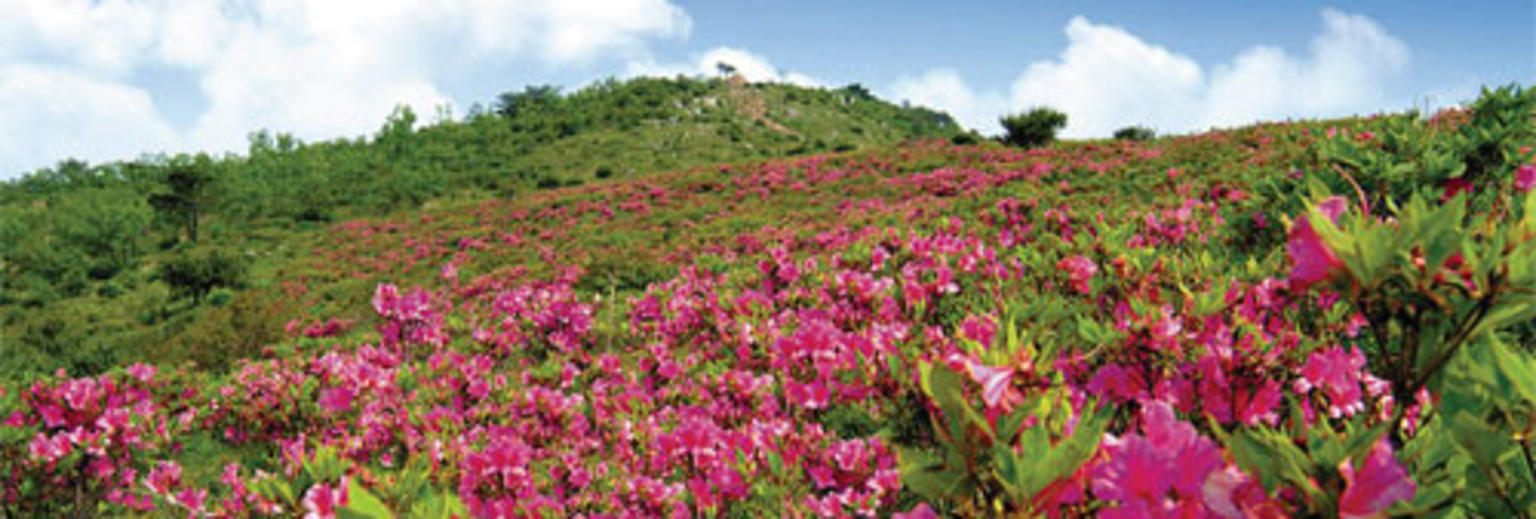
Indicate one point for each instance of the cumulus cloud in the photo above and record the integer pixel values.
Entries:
(944, 89)
(753, 67)
(319, 69)
(52, 114)
(1107, 78)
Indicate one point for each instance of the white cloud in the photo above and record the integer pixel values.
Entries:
(1108, 78)
(52, 114)
(945, 90)
(318, 69)
(753, 67)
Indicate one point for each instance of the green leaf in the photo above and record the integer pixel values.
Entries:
(1275, 459)
(445, 505)
(274, 489)
(928, 476)
(362, 504)
(1517, 369)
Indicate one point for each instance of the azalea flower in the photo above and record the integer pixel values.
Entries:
(1080, 270)
(1314, 261)
(996, 386)
(322, 501)
(336, 400)
(1337, 374)
(1525, 178)
(1233, 494)
(1456, 186)
(1373, 486)
(1158, 473)
(921, 511)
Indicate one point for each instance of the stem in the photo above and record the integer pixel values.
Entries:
(1365, 205)
(1492, 476)
(1463, 333)
(1525, 448)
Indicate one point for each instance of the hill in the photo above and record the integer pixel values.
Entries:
(86, 248)
(1312, 318)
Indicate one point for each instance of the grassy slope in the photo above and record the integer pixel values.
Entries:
(632, 130)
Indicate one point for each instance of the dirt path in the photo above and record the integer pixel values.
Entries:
(750, 104)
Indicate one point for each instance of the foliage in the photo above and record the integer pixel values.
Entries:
(1135, 133)
(186, 196)
(1288, 320)
(197, 271)
(1033, 128)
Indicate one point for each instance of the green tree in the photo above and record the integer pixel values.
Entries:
(1034, 128)
(104, 225)
(1135, 133)
(195, 272)
(531, 99)
(189, 189)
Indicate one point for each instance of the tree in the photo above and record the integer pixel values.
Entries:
(1034, 128)
(188, 190)
(103, 225)
(1135, 133)
(193, 273)
(532, 98)
(725, 69)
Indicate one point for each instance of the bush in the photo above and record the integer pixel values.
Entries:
(198, 271)
(220, 296)
(965, 138)
(1034, 128)
(109, 290)
(1135, 133)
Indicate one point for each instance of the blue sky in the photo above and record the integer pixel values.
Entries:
(110, 79)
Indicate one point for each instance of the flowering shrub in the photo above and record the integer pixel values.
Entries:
(1125, 329)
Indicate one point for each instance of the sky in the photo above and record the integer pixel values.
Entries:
(104, 80)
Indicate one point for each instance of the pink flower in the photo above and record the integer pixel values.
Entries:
(322, 500)
(1456, 186)
(1377, 484)
(1337, 374)
(1525, 178)
(978, 328)
(996, 386)
(1233, 494)
(143, 372)
(336, 400)
(1080, 270)
(50, 449)
(1314, 261)
(194, 500)
(164, 478)
(1333, 207)
(814, 395)
(1159, 473)
(385, 299)
(921, 511)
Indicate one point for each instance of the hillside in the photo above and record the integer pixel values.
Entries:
(85, 248)
(1316, 318)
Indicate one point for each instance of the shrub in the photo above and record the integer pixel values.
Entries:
(196, 272)
(1135, 133)
(1034, 128)
(965, 138)
(220, 296)
(109, 290)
